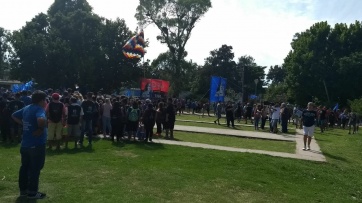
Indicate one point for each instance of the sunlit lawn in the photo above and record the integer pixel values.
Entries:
(137, 172)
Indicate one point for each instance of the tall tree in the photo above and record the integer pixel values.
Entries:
(5, 52)
(220, 63)
(162, 67)
(176, 20)
(72, 45)
(30, 45)
(276, 74)
(323, 62)
(249, 72)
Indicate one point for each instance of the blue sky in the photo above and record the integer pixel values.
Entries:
(262, 29)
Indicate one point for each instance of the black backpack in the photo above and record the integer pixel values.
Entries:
(55, 111)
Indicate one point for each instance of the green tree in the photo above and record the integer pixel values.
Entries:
(72, 45)
(5, 52)
(324, 63)
(175, 19)
(276, 74)
(249, 72)
(30, 47)
(163, 67)
(220, 63)
(307, 64)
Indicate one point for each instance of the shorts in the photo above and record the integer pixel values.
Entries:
(73, 130)
(55, 131)
(132, 126)
(274, 122)
(170, 125)
(309, 131)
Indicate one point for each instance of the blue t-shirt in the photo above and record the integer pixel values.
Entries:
(309, 118)
(29, 116)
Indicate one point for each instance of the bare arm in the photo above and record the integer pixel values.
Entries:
(41, 125)
(18, 121)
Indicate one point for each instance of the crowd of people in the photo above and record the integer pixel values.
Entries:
(282, 114)
(42, 118)
(71, 117)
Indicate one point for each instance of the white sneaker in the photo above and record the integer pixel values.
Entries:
(308, 148)
(304, 148)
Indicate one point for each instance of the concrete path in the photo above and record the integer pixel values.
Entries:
(314, 154)
(237, 133)
(222, 123)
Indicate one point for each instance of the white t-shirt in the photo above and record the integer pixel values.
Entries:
(276, 113)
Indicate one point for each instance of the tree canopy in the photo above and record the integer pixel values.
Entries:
(325, 63)
(175, 19)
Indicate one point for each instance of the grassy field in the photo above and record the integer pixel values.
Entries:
(230, 141)
(137, 172)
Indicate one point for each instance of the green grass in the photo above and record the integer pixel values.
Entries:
(230, 141)
(135, 172)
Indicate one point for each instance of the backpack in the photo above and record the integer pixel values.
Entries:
(133, 115)
(55, 112)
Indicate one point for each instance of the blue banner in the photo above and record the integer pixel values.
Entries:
(21, 87)
(217, 89)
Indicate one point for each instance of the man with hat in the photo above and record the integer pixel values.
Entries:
(55, 112)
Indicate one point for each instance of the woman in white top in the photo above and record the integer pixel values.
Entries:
(107, 107)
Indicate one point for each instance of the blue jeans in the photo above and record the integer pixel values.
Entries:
(32, 161)
(107, 125)
(256, 123)
(284, 125)
(86, 127)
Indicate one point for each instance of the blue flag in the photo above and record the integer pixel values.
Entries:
(217, 89)
(336, 107)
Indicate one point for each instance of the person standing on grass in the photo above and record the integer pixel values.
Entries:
(284, 113)
(257, 115)
(106, 117)
(160, 118)
(56, 113)
(88, 107)
(229, 114)
(218, 113)
(133, 115)
(308, 119)
(33, 144)
(170, 118)
(74, 119)
(149, 121)
(275, 118)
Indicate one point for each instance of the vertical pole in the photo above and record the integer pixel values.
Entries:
(325, 87)
(242, 83)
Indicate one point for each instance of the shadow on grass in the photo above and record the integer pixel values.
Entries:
(9, 145)
(25, 200)
(149, 146)
(335, 157)
(85, 149)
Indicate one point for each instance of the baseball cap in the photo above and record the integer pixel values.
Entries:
(55, 96)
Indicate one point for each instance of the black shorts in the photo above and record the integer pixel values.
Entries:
(169, 125)
(132, 126)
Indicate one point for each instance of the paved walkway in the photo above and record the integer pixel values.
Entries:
(237, 133)
(222, 123)
(313, 155)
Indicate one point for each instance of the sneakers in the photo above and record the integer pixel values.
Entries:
(37, 195)
(306, 148)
